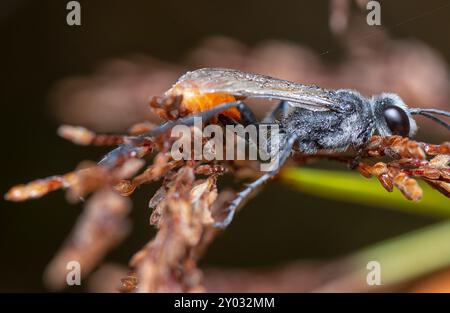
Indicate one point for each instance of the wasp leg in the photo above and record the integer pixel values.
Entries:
(282, 108)
(247, 117)
(255, 186)
(122, 153)
(135, 146)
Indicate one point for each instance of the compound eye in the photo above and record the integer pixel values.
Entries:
(396, 120)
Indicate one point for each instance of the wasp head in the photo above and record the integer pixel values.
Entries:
(392, 116)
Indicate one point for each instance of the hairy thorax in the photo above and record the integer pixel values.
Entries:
(329, 131)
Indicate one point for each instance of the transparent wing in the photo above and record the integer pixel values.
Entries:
(211, 80)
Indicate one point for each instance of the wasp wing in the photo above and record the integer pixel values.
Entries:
(237, 83)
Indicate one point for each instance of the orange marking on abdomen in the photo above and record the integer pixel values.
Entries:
(195, 101)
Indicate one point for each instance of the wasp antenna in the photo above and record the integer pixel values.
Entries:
(436, 119)
(429, 114)
(429, 111)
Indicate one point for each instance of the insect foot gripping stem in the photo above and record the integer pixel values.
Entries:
(242, 197)
(252, 188)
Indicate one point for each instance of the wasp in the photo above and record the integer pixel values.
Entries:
(311, 119)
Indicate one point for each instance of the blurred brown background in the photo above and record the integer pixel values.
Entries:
(39, 50)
